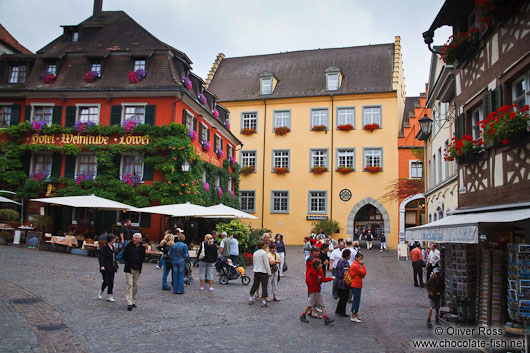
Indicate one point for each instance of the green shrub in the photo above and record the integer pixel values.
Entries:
(235, 226)
(326, 226)
(9, 215)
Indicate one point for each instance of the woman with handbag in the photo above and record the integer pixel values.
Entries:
(274, 261)
(207, 257)
(108, 266)
(164, 246)
(280, 250)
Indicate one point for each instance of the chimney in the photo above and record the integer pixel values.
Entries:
(98, 6)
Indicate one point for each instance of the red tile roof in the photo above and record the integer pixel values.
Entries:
(10, 41)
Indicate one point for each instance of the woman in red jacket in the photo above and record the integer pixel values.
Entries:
(314, 279)
(357, 273)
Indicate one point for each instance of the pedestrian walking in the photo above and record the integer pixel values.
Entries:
(334, 258)
(314, 296)
(280, 250)
(417, 265)
(134, 255)
(433, 260)
(274, 262)
(207, 257)
(357, 273)
(323, 256)
(160, 246)
(234, 250)
(108, 266)
(369, 238)
(125, 238)
(383, 242)
(307, 248)
(343, 289)
(435, 287)
(164, 246)
(262, 271)
(178, 253)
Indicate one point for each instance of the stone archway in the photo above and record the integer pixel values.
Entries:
(361, 204)
(402, 210)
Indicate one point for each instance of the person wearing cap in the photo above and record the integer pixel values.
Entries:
(435, 288)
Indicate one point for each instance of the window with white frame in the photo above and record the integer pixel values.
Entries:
(266, 85)
(373, 157)
(346, 158)
(248, 159)
(319, 158)
(319, 117)
(132, 164)
(51, 69)
(282, 118)
(250, 121)
(89, 113)
(204, 133)
(42, 163)
(230, 183)
(134, 112)
(372, 115)
(521, 91)
(42, 113)
(218, 142)
(229, 150)
(416, 169)
(96, 67)
(476, 116)
(280, 202)
(139, 65)
(332, 83)
(247, 200)
(5, 115)
(317, 201)
(346, 116)
(17, 74)
(86, 164)
(280, 158)
(187, 120)
(204, 175)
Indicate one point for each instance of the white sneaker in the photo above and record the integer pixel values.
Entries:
(111, 299)
(100, 295)
(355, 319)
(318, 309)
(212, 289)
(157, 267)
(201, 289)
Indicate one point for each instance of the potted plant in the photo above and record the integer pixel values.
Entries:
(344, 170)
(248, 132)
(130, 124)
(372, 169)
(371, 127)
(202, 98)
(130, 179)
(47, 77)
(220, 153)
(282, 130)
(205, 144)
(81, 126)
(91, 76)
(319, 170)
(346, 127)
(247, 170)
(463, 149)
(281, 170)
(505, 124)
(459, 47)
(187, 83)
(192, 134)
(135, 76)
(38, 125)
(319, 128)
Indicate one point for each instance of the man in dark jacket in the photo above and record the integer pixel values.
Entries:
(435, 287)
(134, 255)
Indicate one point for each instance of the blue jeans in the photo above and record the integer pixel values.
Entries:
(119, 257)
(161, 262)
(333, 290)
(178, 277)
(167, 268)
(356, 300)
(234, 260)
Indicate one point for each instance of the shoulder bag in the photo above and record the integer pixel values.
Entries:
(202, 254)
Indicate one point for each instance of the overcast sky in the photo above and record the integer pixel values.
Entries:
(204, 28)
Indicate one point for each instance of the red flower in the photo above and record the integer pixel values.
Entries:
(505, 141)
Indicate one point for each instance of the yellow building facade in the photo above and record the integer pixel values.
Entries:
(288, 203)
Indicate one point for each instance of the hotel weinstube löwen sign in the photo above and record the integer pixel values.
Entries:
(75, 139)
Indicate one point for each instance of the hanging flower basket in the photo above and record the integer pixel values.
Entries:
(504, 124)
(319, 128)
(205, 145)
(220, 153)
(91, 76)
(319, 170)
(47, 77)
(344, 170)
(187, 83)
(80, 177)
(461, 46)
(219, 191)
(37, 176)
(372, 169)
(81, 126)
(192, 134)
(216, 113)
(247, 170)
(206, 186)
(281, 170)
(38, 125)
(346, 127)
(202, 98)
(248, 132)
(462, 148)
(135, 76)
(371, 127)
(130, 124)
(132, 180)
(282, 130)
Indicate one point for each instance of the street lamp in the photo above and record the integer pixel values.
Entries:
(185, 166)
(425, 128)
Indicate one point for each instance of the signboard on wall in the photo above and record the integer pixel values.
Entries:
(316, 218)
(76, 139)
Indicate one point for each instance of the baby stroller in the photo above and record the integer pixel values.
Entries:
(230, 272)
(188, 278)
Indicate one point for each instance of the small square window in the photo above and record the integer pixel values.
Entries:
(280, 159)
(319, 158)
(266, 85)
(248, 201)
(87, 114)
(372, 115)
(280, 202)
(17, 74)
(42, 163)
(282, 118)
(332, 81)
(319, 117)
(5, 115)
(96, 67)
(132, 164)
(346, 158)
(134, 112)
(139, 65)
(52, 69)
(250, 121)
(373, 157)
(317, 201)
(42, 113)
(86, 164)
(346, 116)
(248, 159)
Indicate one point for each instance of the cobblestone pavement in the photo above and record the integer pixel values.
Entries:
(48, 303)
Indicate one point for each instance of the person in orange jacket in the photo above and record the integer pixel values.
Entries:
(357, 273)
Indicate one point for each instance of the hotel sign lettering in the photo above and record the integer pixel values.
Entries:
(75, 139)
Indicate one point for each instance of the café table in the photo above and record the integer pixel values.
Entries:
(66, 240)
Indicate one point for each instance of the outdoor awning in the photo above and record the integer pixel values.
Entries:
(89, 201)
(230, 212)
(181, 210)
(5, 199)
(463, 228)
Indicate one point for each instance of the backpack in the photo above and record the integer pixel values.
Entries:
(347, 278)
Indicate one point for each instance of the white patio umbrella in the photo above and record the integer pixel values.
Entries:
(5, 199)
(89, 201)
(230, 212)
(180, 210)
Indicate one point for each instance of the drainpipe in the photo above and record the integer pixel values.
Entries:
(263, 163)
(173, 108)
(331, 160)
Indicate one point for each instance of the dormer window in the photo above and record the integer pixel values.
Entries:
(75, 36)
(17, 74)
(96, 67)
(267, 83)
(51, 69)
(333, 79)
(139, 65)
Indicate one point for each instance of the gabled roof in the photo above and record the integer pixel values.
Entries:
(365, 69)
(10, 41)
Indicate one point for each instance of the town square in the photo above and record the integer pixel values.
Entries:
(252, 176)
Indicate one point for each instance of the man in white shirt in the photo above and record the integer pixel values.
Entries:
(353, 252)
(433, 260)
(336, 255)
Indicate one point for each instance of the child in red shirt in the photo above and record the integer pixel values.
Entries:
(314, 279)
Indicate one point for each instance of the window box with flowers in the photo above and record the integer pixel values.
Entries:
(91, 76)
(232, 161)
(81, 126)
(281, 170)
(319, 170)
(130, 124)
(47, 77)
(319, 128)
(135, 76)
(248, 132)
(346, 127)
(132, 180)
(192, 134)
(460, 47)
(282, 130)
(505, 125)
(247, 170)
(202, 98)
(371, 127)
(38, 125)
(373, 169)
(220, 153)
(38, 176)
(464, 149)
(205, 144)
(219, 191)
(81, 177)
(187, 83)
(344, 170)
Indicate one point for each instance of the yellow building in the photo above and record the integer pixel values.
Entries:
(292, 111)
